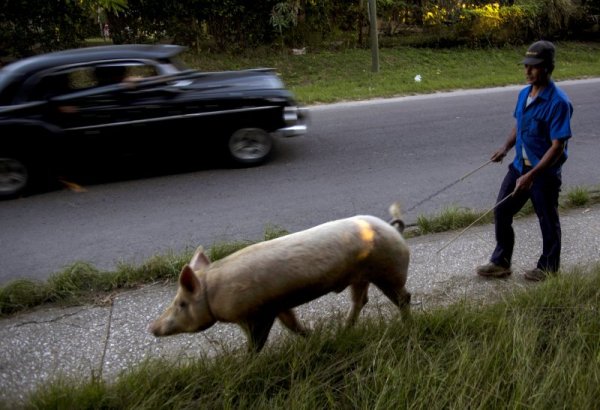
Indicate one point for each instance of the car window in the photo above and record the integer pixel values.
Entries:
(116, 73)
(142, 71)
(86, 77)
(106, 74)
(64, 82)
(82, 78)
(50, 86)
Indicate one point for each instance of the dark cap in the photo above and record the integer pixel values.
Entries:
(539, 52)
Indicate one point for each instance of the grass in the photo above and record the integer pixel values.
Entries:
(83, 283)
(539, 348)
(578, 196)
(325, 76)
(454, 217)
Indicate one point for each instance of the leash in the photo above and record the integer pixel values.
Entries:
(448, 186)
(474, 222)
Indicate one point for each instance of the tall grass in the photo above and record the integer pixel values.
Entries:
(536, 349)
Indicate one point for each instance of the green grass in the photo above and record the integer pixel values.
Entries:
(83, 283)
(325, 76)
(450, 218)
(539, 348)
(578, 196)
(454, 217)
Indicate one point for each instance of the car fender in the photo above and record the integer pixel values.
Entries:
(26, 151)
(20, 135)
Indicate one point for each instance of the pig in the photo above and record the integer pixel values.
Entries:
(254, 286)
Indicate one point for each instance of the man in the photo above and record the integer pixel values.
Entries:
(108, 75)
(543, 127)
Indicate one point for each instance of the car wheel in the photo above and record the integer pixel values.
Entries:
(250, 146)
(14, 177)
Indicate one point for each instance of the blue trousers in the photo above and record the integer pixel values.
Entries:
(544, 197)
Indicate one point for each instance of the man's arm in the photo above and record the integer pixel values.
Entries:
(499, 155)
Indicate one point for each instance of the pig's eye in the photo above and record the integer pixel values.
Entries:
(183, 305)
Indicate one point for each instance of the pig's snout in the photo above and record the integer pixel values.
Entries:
(156, 329)
(152, 328)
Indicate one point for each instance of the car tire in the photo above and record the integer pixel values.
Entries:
(250, 146)
(15, 177)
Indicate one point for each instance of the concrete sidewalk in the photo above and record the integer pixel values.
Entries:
(105, 339)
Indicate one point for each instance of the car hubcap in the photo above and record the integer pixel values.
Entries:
(250, 144)
(13, 176)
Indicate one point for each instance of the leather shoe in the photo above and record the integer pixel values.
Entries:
(491, 270)
(535, 275)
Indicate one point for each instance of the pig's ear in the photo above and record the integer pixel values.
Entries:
(199, 260)
(188, 279)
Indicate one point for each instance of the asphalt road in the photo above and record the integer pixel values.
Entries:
(356, 159)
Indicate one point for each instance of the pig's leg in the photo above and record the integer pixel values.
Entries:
(359, 292)
(289, 320)
(258, 328)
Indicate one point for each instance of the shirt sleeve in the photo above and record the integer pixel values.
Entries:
(560, 124)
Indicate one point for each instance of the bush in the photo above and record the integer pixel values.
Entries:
(35, 26)
(552, 18)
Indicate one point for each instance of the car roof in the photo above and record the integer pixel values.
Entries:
(88, 54)
(28, 66)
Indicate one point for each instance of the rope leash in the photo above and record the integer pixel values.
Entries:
(448, 186)
(474, 222)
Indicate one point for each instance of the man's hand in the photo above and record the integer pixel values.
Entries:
(499, 155)
(524, 183)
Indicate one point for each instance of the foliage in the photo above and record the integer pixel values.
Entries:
(112, 6)
(285, 15)
(39, 25)
(35, 26)
(493, 25)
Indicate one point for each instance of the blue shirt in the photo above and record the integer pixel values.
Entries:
(547, 118)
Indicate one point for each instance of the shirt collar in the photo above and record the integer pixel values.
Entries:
(547, 91)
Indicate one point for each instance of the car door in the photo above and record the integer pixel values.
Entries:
(110, 117)
(88, 119)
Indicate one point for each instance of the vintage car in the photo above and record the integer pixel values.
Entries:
(122, 101)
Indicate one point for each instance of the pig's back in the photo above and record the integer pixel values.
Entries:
(299, 267)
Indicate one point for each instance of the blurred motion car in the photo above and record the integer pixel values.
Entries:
(133, 101)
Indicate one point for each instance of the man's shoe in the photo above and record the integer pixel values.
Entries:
(491, 270)
(535, 275)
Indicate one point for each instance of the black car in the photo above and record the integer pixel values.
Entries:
(103, 103)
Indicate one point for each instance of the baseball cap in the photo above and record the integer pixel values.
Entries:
(539, 52)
